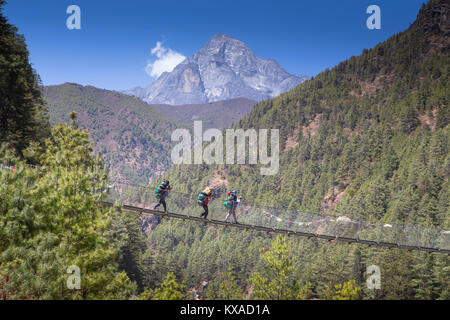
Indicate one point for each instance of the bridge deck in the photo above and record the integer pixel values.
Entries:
(281, 231)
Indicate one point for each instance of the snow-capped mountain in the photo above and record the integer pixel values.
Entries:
(225, 68)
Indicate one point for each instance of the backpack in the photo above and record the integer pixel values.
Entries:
(201, 198)
(159, 190)
(228, 202)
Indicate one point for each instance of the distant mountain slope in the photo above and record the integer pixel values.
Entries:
(132, 136)
(220, 114)
(225, 68)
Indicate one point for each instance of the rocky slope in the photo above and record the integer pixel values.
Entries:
(225, 68)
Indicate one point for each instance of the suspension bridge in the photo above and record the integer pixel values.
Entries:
(184, 217)
(140, 199)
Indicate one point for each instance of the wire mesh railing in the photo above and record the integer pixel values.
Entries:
(339, 227)
(321, 225)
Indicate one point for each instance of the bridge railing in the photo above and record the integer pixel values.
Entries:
(281, 218)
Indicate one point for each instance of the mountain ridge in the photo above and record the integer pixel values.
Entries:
(225, 68)
(217, 114)
(132, 136)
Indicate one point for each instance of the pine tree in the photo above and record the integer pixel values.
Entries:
(441, 277)
(51, 218)
(276, 282)
(396, 274)
(132, 246)
(170, 289)
(23, 117)
(409, 119)
(228, 289)
(423, 281)
(346, 291)
(442, 117)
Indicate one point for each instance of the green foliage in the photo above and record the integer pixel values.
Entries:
(431, 277)
(276, 281)
(229, 289)
(443, 117)
(23, 117)
(409, 119)
(345, 291)
(170, 289)
(51, 218)
(132, 243)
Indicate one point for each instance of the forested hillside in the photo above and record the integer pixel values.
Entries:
(23, 115)
(133, 137)
(368, 139)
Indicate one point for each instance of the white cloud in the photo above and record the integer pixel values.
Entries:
(167, 60)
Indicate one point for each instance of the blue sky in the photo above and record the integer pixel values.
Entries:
(114, 44)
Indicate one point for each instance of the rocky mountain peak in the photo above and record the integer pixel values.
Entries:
(225, 68)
